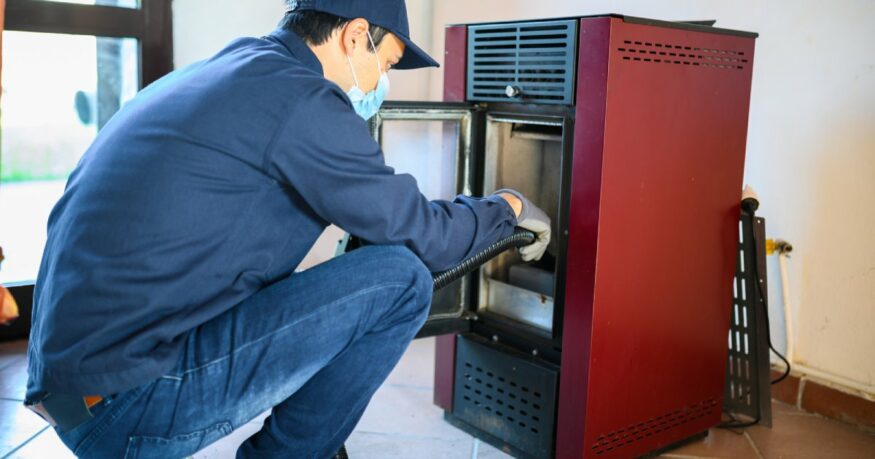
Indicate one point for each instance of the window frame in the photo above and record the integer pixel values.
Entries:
(151, 25)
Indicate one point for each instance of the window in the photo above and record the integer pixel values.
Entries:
(68, 67)
(119, 3)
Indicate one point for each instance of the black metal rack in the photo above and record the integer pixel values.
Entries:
(748, 389)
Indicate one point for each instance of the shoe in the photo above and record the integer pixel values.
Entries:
(341, 453)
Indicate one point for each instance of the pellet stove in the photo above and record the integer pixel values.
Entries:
(630, 133)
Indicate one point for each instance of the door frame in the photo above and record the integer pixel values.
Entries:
(469, 119)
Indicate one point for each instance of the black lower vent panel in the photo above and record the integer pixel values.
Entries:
(505, 394)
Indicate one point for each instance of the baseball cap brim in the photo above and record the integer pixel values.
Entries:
(414, 57)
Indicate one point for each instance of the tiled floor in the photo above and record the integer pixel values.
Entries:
(401, 422)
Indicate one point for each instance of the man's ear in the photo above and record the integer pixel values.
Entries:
(353, 35)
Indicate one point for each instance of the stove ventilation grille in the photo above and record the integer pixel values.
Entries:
(670, 53)
(528, 62)
(635, 432)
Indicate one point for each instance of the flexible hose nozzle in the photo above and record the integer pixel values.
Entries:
(519, 238)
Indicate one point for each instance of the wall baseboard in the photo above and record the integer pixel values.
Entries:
(826, 399)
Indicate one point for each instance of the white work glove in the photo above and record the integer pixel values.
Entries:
(535, 220)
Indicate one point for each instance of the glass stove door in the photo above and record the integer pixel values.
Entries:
(434, 143)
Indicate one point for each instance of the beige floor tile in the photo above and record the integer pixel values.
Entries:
(12, 351)
(719, 443)
(363, 445)
(416, 368)
(406, 411)
(17, 425)
(13, 379)
(799, 435)
(487, 451)
(45, 445)
(781, 409)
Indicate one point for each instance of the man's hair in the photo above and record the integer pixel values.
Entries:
(316, 27)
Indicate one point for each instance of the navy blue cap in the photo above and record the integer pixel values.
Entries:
(388, 14)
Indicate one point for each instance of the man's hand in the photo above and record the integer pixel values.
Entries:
(531, 218)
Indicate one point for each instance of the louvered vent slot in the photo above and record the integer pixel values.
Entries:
(505, 395)
(739, 378)
(677, 54)
(504, 398)
(531, 62)
(636, 432)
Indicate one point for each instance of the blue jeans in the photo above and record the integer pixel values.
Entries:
(314, 347)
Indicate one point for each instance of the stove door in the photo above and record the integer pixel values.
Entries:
(434, 142)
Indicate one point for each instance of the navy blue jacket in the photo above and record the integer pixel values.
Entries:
(212, 183)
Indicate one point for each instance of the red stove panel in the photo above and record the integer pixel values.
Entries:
(660, 140)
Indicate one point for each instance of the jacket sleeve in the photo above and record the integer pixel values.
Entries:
(326, 153)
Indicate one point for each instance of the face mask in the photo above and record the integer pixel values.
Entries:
(367, 105)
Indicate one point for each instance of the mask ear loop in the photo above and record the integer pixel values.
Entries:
(352, 69)
(374, 47)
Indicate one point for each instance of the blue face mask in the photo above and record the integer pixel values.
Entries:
(367, 105)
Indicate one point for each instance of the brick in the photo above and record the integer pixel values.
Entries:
(786, 390)
(835, 404)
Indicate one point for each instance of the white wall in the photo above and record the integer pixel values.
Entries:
(811, 148)
(203, 27)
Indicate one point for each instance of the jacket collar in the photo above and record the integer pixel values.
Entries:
(298, 48)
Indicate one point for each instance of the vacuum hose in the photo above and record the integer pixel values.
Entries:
(519, 238)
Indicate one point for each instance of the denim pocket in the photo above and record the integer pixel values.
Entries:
(106, 417)
(143, 447)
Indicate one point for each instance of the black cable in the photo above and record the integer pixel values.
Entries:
(737, 425)
(780, 356)
(519, 238)
(765, 302)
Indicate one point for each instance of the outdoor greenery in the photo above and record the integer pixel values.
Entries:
(36, 153)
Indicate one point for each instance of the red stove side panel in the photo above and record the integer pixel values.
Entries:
(674, 144)
(455, 63)
(455, 58)
(444, 370)
(583, 230)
